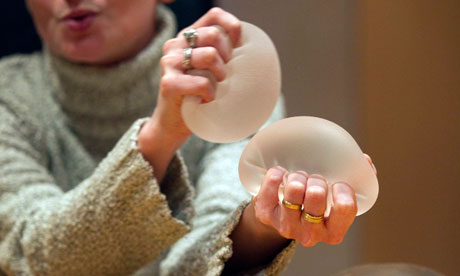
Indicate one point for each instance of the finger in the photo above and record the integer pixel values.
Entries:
(178, 84)
(294, 191)
(267, 201)
(315, 202)
(205, 58)
(212, 36)
(342, 213)
(369, 159)
(217, 16)
(315, 195)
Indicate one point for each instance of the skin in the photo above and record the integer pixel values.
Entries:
(266, 226)
(105, 42)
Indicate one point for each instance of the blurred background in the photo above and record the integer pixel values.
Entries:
(388, 72)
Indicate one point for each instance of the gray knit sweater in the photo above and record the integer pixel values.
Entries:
(77, 197)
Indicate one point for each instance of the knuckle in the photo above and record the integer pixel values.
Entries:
(204, 84)
(236, 27)
(216, 11)
(310, 238)
(263, 217)
(168, 45)
(304, 244)
(210, 55)
(166, 82)
(167, 60)
(334, 239)
(307, 242)
(213, 35)
(286, 232)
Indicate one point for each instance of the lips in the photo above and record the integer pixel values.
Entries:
(79, 21)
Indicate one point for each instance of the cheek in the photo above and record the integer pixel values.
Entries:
(135, 16)
(43, 16)
(128, 25)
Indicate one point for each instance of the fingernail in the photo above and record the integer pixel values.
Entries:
(374, 168)
(371, 163)
(302, 173)
(298, 177)
(342, 190)
(316, 185)
(277, 172)
(316, 179)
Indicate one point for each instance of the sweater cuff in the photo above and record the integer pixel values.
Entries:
(275, 267)
(176, 186)
(114, 222)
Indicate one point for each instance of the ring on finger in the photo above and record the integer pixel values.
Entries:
(191, 36)
(290, 205)
(310, 218)
(187, 62)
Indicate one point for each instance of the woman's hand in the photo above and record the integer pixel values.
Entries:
(267, 225)
(166, 131)
(213, 49)
(311, 192)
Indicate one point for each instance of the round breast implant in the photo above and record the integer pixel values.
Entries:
(247, 96)
(313, 145)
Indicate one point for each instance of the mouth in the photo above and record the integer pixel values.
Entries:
(79, 15)
(79, 20)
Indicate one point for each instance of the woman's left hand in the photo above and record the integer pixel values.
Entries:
(307, 226)
(309, 191)
(267, 224)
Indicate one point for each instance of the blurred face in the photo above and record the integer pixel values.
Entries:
(94, 31)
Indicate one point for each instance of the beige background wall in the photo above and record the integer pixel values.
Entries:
(409, 78)
(315, 42)
(389, 72)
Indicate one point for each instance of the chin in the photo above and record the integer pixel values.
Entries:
(87, 58)
(85, 50)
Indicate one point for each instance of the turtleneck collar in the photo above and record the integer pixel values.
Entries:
(100, 103)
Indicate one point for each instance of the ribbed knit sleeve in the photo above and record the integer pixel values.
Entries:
(219, 204)
(112, 223)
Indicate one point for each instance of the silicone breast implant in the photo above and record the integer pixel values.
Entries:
(313, 145)
(245, 99)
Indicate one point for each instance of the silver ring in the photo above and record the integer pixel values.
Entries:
(191, 36)
(187, 59)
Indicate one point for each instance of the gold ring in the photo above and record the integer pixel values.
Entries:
(291, 205)
(313, 219)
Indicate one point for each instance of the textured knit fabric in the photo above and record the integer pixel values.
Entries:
(77, 197)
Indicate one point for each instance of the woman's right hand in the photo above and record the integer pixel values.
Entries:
(166, 131)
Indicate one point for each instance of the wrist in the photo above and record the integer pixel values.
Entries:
(260, 230)
(157, 148)
(152, 139)
(254, 243)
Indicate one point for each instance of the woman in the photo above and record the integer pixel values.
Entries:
(84, 191)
